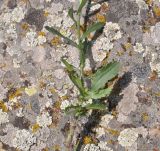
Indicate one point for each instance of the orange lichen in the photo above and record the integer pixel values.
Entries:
(153, 76)
(156, 11)
(87, 140)
(41, 33)
(3, 106)
(55, 41)
(25, 26)
(101, 18)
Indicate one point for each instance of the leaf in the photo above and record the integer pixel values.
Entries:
(76, 110)
(74, 77)
(82, 4)
(103, 75)
(70, 14)
(99, 94)
(69, 67)
(96, 106)
(54, 31)
(92, 28)
(82, 54)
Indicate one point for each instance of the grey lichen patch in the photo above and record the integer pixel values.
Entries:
(35, 17)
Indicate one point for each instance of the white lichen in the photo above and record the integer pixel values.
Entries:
(104, 146)
(31, 39)
(138, 48)
(18, 14)
(4, 118)
(105, 120)
(59, 73)
(112, 31)
(91, 147)
(44, 119)
(100, 131)
(128, 137)
(23, 140)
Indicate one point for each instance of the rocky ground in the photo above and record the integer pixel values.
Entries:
(33, 82)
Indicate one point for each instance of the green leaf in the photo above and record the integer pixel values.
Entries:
(70, 14)
(96, 106)
(82, 54)
(103, 75)
(54, 31)
(74, 77)
(82, 4)
(92, 28)
(100, 94)
(69, 67)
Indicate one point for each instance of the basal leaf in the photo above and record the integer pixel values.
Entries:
(82, 4)
(92, 28)
(100, 94)
(103, 75)
(96, 106)
(54, 31)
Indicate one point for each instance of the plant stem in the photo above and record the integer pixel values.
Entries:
(81, 51)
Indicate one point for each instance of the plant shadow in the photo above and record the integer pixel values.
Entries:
(113, 100)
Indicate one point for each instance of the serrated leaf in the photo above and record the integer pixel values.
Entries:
(92, 28)
(54, 31)
(70, 14)
(96, 106)
(103, 75)
(100, 94)
(82, 4)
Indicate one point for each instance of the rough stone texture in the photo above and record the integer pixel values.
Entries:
(33, 80)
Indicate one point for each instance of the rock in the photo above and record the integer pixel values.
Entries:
(38, 54)
(128, 102)
(35, 17)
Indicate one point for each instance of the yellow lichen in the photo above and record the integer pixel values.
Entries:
(30, 91)
(87, 140)
(101, 18)
(41, 33)
(111, 142)
(3, 106)
(35, 127)
(112, 131)
(52, 90)
(65, 97)
(145, 117)
(15, 93)
(46, 13)
(25, 26)
(57, 147)
(55, 41)
(149, 2)
(156, 11)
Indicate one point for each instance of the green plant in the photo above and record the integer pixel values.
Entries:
(89, 97)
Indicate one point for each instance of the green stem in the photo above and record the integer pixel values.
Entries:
(81, 51)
